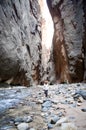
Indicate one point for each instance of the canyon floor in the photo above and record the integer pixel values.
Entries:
(24, 108)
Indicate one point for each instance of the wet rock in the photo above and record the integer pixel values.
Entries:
(18, 120)
(26, 119)
(83, 109)
(7, 127)
(76, 97)
(60, 114)
(82, 93)
(44, 109)
(47, 104)
(68, 126)
(54, 119)
(23, 126)
(50, 126)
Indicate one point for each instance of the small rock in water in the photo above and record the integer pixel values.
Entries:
(23, 126)
(68, 126)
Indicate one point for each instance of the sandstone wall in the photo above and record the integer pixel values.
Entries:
(84, 40)
(68, 48)
(20, 41)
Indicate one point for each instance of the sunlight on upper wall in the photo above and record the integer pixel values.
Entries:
(47, 25)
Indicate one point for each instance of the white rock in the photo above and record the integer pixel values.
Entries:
(78, 104)
(23, 126)
(68, 126)
(62, 120)
(32, 129)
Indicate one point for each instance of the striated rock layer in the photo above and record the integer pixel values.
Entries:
(69, 44)
(20, 41)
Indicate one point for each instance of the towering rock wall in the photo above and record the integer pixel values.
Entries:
(20, 41)
(84, 40)
(68, 48)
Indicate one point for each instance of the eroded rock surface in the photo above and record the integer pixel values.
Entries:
(68, 48)
(20, 41)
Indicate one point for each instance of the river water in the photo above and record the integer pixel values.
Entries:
(9, 97)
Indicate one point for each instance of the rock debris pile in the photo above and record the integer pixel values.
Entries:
(63, 109)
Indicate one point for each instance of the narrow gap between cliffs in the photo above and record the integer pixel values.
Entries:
(47, 35)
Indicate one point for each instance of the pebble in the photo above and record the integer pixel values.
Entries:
(39, 102)
(23, 126)
(54, 119)
(78, 104)
(47, 104)
(80, 99)
(18, 120)
(44, 109)
(83, 109)
(50, 126)
(28, 119)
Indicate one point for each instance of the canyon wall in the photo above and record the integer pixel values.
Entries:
(20, 41)
(69, 44)
(84, 39)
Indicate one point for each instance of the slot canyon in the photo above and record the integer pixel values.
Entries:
(36, 45)
(42, 64)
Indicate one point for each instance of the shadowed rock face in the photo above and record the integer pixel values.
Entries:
(84, 7)
(20, 41)
(68, 48)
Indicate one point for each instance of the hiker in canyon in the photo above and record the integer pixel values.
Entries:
(46, 88)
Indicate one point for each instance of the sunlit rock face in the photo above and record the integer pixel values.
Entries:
(20, 41)
(47, 35)
(69, 35)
